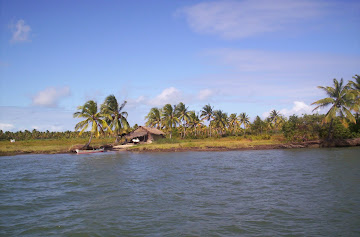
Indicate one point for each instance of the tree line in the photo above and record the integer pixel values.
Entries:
(110, 119)
(339, 122)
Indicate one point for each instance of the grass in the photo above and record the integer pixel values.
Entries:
(206, 144)
(52, 146)
(48, 146)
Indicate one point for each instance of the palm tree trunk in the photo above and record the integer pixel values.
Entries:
(87, 145)
(117, 140)
(210, 129)
(330, 130)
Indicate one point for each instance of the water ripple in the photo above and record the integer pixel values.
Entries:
(248, 193)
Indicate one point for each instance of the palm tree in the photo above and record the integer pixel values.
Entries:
(207, 114)
(355, 86)
(169, 117)
(244, 119)
(342, 100)
(89, 111)
(194, 120)
(118, 118)
(233, 122)
(154, 118)
(275, 118)
(220, 120)
(183, 114)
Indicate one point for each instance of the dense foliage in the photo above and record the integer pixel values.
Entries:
(341, 121)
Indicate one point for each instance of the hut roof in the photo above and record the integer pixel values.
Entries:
(142, 131)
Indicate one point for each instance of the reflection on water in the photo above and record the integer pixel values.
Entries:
(252, 193)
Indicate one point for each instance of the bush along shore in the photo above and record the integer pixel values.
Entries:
(207, 129)
(53, 146)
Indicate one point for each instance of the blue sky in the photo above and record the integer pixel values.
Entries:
(239, 56)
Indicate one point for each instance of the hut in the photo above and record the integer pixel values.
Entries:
(144, 134)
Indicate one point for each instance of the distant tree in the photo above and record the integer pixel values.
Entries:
(169, 117)
(342, 101)
(275, 118)
(355, 89)
(154, 118)
(233, 123)
(182, 113)
(244, 119)
(194, 121)
(207, 114)
(220, 121)
(89, 112)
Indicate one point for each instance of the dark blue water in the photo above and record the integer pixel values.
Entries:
(305, 192)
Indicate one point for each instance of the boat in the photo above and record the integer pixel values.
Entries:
(89, 151)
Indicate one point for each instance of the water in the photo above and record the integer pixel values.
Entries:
(304, 192)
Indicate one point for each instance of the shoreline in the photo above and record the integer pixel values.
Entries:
(143, 149)
(309, 144)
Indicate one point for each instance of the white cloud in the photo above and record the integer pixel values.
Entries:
(21, 32)
(6, 126)
(205, 94)
(169, 95)
(241, 19)
(50, 96)
(299, 108)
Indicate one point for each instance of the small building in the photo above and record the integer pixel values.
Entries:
(144, 134)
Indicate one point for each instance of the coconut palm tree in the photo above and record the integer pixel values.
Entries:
(233, 122)
(98, 123)
(194, 121)
(118, 118)
(244, 119)
(342, 101)
(182, 113)
(220, 120)
(154, 118)
(169, 117)
(355, 86)
(275, 118)
(207, 114)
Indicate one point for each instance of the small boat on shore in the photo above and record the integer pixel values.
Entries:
(89, 151)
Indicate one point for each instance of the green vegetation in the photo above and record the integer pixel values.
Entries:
(48, 146)
(205, 129)
(211, 143)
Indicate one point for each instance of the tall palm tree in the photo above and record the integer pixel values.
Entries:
(233, 122)
(244, 119)
(169, 117)
(118, 118)
(355, 88)
(154, 118)
(98, 123)
(194, 120)
(355, 84)
(342, 101)
(182, 113)
(220, 120)
(275, 118)
(207, 114)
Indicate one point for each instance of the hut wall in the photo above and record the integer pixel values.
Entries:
(156, 137)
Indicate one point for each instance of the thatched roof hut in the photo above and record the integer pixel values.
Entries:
(145, 134)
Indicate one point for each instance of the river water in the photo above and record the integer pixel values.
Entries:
(299, 192)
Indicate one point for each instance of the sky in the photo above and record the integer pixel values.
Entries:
(248, 56)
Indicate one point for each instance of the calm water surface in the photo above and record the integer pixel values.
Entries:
(303, 192)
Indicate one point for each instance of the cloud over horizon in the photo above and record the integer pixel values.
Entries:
(51, 96)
